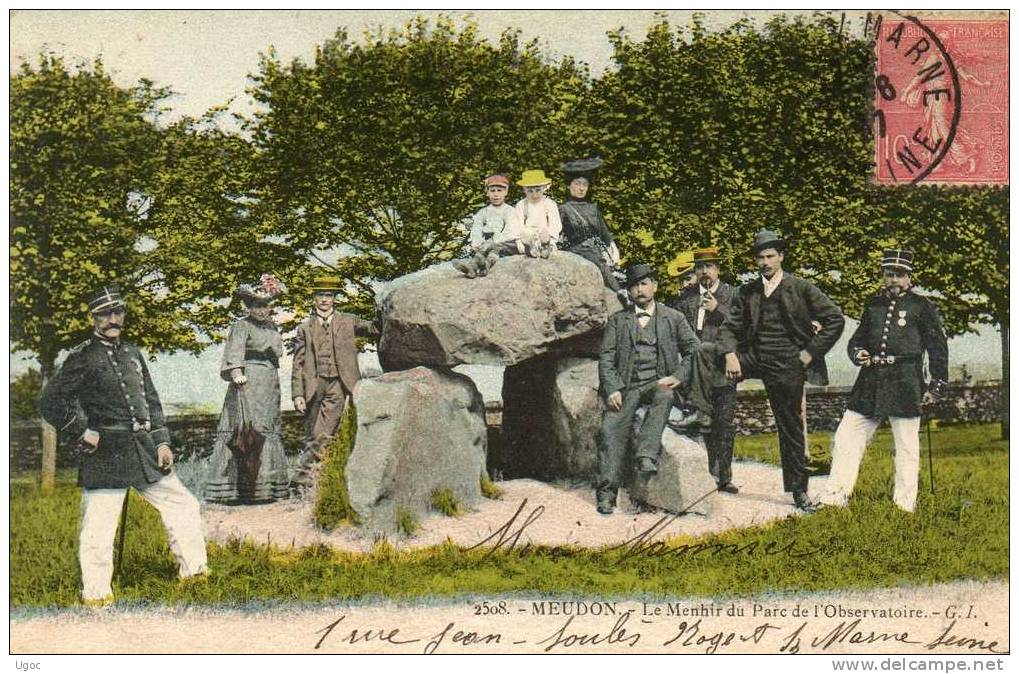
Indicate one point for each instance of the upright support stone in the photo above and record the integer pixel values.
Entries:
(576, 419)
(419, 431)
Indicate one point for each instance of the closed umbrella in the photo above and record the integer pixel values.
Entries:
(246, 446)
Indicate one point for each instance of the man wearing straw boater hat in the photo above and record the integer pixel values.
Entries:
(123, 443)
(769, 335)
(325, 371)
(896, 329)
(705, 306)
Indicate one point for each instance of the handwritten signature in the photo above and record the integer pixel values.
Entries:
(686, 634)
(508, 536)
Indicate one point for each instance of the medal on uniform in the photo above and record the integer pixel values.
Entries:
(902, 318)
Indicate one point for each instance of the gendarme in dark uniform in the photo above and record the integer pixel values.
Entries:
(112, 384)
(123, 440)
(897, 328)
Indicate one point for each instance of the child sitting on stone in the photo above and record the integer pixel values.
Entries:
(494, 232)
(539, 216)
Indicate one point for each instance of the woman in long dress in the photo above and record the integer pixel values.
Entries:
(237, 472)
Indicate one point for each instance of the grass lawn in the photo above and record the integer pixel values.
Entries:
(959, 532)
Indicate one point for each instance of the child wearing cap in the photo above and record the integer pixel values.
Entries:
(494, 232)
(539, 216)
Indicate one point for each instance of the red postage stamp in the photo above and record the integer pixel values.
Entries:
(941, 100)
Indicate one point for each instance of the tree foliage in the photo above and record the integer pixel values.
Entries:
(710, 136)
(380, 146)
(80, 147)
(102, 192)
(377, 148)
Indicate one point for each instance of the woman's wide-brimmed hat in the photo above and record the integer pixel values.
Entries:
(534, 178)
(581, 168)
(267, 289)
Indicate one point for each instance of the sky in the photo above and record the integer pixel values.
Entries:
(206, 57)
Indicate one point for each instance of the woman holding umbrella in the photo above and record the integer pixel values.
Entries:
(248, 464)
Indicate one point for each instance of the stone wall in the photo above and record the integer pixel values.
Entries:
(194, 434)
(191, 435)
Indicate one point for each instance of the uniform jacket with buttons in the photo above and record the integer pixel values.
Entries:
(905, 328)
(343, 328)
(618, 348)
(800, 302)
(111, 385)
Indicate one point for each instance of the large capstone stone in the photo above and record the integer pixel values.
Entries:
(682, 483)
(419, 431)
(525, 307)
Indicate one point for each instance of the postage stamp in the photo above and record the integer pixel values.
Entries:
(941, 100)
(508, 332)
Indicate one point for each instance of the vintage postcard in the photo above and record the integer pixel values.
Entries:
(510, 332)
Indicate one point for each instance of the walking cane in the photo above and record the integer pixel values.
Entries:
(123, 534)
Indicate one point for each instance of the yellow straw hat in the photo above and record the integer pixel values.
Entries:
(681, 264)
(533, 178)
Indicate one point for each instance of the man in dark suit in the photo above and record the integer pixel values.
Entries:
(705, 306)
(769, 334)
(641, 353)
(122, 442)
(325, 372)
(896, 329)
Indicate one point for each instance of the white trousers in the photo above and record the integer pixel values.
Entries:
(100, 511)
(851, 439)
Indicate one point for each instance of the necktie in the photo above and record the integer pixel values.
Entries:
(642, 318)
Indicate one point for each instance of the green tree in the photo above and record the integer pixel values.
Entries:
(202, 236)
(101, 191)
(379, 147)
(80, 147)
(709, 136)
(25, 390)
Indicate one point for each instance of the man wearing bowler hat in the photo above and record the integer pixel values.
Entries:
(769, 334)
(896, 329)
(325, 371)
(123, 443)
(705, 306)
(641, 354)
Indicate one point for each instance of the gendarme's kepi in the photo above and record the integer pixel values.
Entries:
(897, 258)
(105, 298)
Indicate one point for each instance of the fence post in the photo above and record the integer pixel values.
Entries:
(49, 458)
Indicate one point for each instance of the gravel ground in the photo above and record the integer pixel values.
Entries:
(568, 517)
